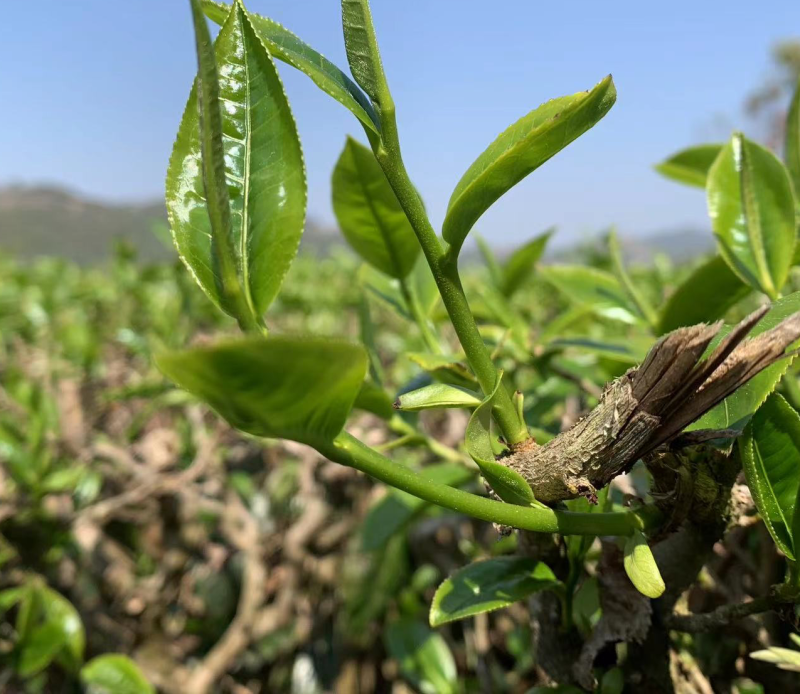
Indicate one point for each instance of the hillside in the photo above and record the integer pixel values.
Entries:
(46, 220)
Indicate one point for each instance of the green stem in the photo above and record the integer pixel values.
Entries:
(445, 271)
(349, 451)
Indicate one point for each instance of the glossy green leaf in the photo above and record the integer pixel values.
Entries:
(264, 171)
(770, 454)
(395, 510)
(736, 410)
(752, 211)
(508, 484)
(369, 214)
(423, 657)
(641, 567)
(519, 151)
(56, 609)
(361, 47)
(519, 267)
(114, 674)
(596, 289)
(703, 297)
(488, 585)
(437, 396)
(282, 387)
(209, 189)
(285, 46)
(792, 141)
(41, 647)
(690, 165)
(636, 296)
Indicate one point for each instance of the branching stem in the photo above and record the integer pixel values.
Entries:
(349, 451)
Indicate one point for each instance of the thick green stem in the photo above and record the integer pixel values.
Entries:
(445, 272)
(349, 451)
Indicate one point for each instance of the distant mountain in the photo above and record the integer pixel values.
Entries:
(51, 221)
(46, 220)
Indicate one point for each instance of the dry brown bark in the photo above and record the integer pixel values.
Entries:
(650, 405)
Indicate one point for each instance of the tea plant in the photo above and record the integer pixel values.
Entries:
(623, 453)
(236, 196)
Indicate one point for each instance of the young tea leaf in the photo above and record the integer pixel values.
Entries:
(640, 565)
(209, 188)
(40, 649)
(115, 674)
(57, 610)
(508, 484)
(752, 211)
(488, 585)
(423, 656)
(369, 214)
(703, 297)
(519, 267)
(770, 454)
(281, 387)
(520, 150)
(263, 171)
(285, 46)
(437, 396)
(361, 46)
(690, 165)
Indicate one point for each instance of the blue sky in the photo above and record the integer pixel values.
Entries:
(93, 90)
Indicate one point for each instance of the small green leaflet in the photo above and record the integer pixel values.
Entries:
(285, 46)
(518, 151)
(488, 585)
(508, 484)
(770, 454)
(437, 396)
(752, 210)
(264, 174)
(115, 674)
(640, 565)
(369, 213)
(300, 389)
(690, 165)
